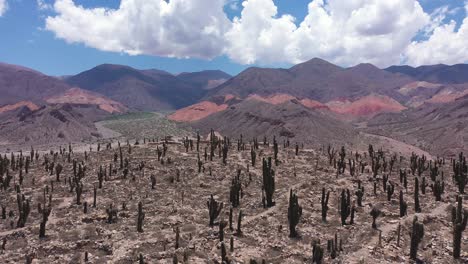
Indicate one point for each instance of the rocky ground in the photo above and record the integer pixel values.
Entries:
(179, 202)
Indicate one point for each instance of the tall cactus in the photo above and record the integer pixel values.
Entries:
(417, 207)
(417, 233)
(141, 217)
(214, 208)
(345, 209)
(294, 213)
(460, 172)
(324, 204)
(268, 182)
(359, 193)
(459, 220)
(403, 205)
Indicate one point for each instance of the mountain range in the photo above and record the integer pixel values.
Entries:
(415, 104)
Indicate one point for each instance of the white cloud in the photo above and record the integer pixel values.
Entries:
(447, 44)
(342, 31)
(3, 7)
(345, 32)
(178, 28)
(43, 5)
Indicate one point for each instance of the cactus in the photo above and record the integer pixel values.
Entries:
(214, 208)
(141, 217)
(153, 181)
(417, 207)
(345, 208)
(177, 239)
(375, 212)
(460, 172)
(221, 225)
(403, 205)
(459, 220)
(331, 154)
(417, 233)
(239, 224)
(224, 258)
(58, 170)
(94, 196)
(294, 213)
(24, 209)
(438, 189)
(359, 193)
(268, 182)
(236, 190)
(352, 167)
(230, 219)
(317, 253)
(390, 191)
(225, 152)
(342, 161)
(231, 244)
(45, 217)
(111, 214)
(253, 157)
(324, 203)
(423, 185)
(78, 191)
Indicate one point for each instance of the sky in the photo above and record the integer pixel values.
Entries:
(64, 37)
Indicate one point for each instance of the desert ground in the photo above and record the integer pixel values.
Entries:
(175, 227)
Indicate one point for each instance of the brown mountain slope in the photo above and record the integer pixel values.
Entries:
(316, 79)
(50, 124)
(291, 120)
(438, 128)
(440, 73)
(22, 84)
(148, 90)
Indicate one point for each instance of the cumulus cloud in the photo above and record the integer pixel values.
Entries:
(3, 7)
(345, 32)
(177, 28)
(446, 44)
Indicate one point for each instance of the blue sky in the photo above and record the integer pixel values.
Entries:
(26, 40)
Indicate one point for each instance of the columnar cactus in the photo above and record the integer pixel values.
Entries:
(417, 233)
(141, 217)
(345, 208)
(294, 213)
(331, 154)
(324, 203)
(45, 217)
(214, 208)
(239, 224)
(24, 209)
(222, 224)
(403, 205)
(438, 189)
(459, 220)
(317, 253)
(460, 172)
(375, 212)
(236, 190)
(359, 193)
(268, 182)
(390, 191)
(253, 157)
(417, 207)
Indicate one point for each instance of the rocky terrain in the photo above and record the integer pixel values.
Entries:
(50, 125)
(148, 201)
